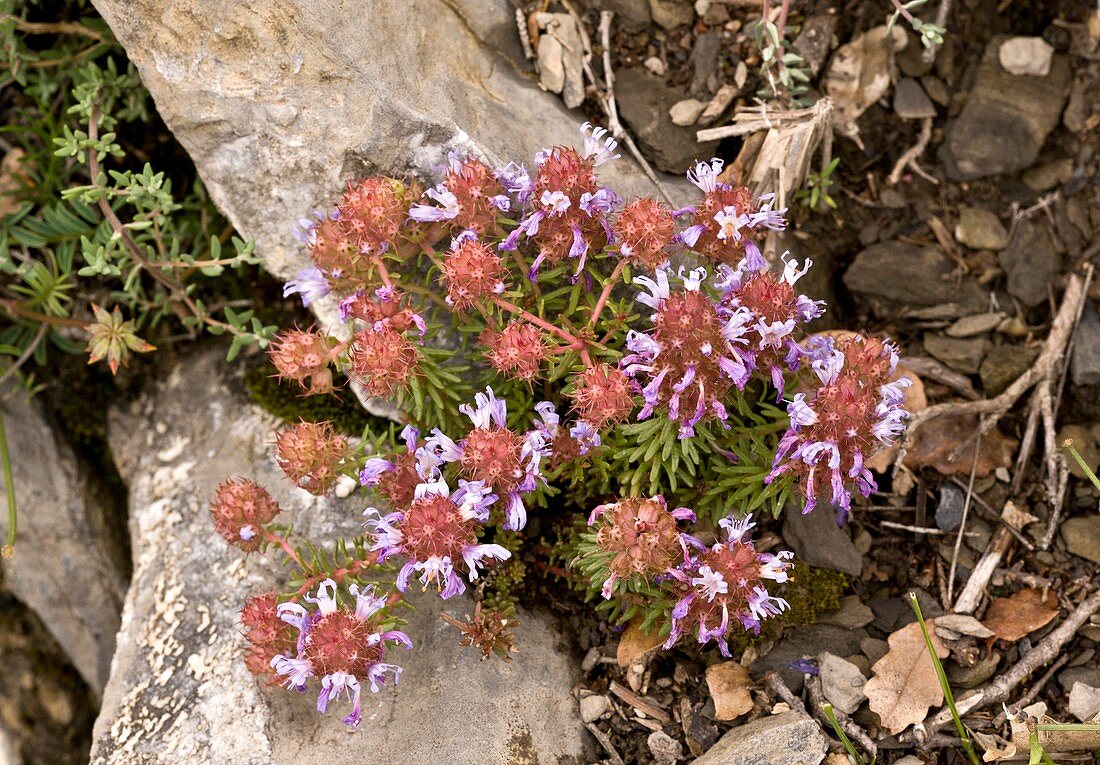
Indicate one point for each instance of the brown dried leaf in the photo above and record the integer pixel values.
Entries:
(13, 177)
(935, 440)
(729, 683)
(1021, 614)
(634, 645)
(904, 683)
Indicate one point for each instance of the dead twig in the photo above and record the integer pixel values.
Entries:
(1033, 691)
(998, 690)
(605, 742)
(640, 703)
(612, 110)
(525, 36)
(853, 731)
(962, 524)
(931, 369)
(992, 410)
(909, 158)
(774, 683)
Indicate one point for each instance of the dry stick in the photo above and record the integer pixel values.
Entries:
(912, 154)
(853, 731)
(774, 683)
(1060, 331)
(612, 111)
(962, 524)
(933, 370)
(1000, 688)
(1032, 692)
(605, 742)
(994, 553)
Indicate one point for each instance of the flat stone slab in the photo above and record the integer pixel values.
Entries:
(179, 692)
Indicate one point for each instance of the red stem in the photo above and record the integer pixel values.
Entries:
(606, 293)
(574, 341)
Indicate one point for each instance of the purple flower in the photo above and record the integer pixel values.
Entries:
(310, 283)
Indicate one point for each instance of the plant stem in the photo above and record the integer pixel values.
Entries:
(290, 552)
(574, 341)
(175, 289)
(602, 301)
(944, 684)
(8, 549)
(1081, 462)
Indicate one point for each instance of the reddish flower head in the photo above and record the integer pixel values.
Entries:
(643, 229)
(240, 508)
(304, 357)
(568, 211)
(723, 585)
(856, 408)
(267, 635)
(473, 272)
(310, 454)
(371, 212)
(387, 310)
(337, 256)
(602, 395)
(639, 537)
(692, 356)
(383, 362)
(470, 198)
(517, 351)
(344, 647)
(728, 217)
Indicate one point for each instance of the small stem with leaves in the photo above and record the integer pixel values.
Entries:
(8, 549)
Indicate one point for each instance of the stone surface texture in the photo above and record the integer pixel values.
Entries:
(896, 273)
(790, 738)
(78, 587)
(179, 691)
(279, 104)
(1006, 117)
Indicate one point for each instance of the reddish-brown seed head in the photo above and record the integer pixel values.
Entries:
(473, 272)
(240, 508)
(517, 351)
(493, 455)
(310, 454)
(383, 362)
(602, 395)
(643, 229)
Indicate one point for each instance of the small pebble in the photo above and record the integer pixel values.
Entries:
(656, 65)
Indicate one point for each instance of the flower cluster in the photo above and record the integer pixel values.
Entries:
(775, 309)
(723, 585)
(344, 647)
(833, 430)
(469, 198)
(567, 213)
(694, 354)
(728, 218)
(437, 535)
(304, 356)
(714, 588)
(640, 538)
(267, 634)
(446, 506)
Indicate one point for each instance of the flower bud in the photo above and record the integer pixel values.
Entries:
(310, 454)
(643, 229)
(602, 395)
(304, 357)
(240, 508)
(383, 362)
(517, 351)
(473, 273)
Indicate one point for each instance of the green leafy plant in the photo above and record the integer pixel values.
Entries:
(785, 72)
(930, 34)
(815, 192)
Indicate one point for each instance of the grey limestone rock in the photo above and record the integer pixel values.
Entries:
(179, 691)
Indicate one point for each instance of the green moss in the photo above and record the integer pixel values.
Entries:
(810, 592)
(288, 404)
